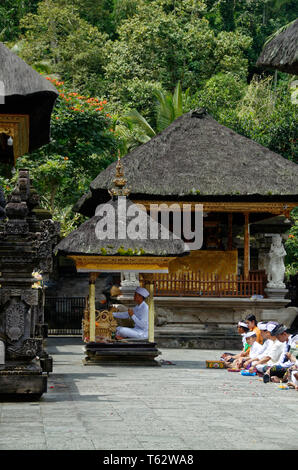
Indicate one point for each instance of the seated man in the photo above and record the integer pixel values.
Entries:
(139, 314)
(279, 371)
(293, 370)
(270, 354)
(254, 350)
(261, 353)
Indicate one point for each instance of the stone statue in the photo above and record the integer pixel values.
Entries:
(130, 279)
(276, 266)
(129, 283)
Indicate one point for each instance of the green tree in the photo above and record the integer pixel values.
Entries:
(11, 12)
(229, 53)
(266, 114)
(97, 13)
(134, 129)
(226, 9)
(71, 46)
(156, 49)
(291, 246)
(124, 9)
(221, 93)
(82, 144)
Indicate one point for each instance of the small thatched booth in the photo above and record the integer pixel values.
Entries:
(27, 101)
(118, 238)
(281, 52)
(240, 183)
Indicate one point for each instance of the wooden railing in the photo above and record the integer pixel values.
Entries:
(197, 284)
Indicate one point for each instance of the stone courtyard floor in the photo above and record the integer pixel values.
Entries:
(178, 406)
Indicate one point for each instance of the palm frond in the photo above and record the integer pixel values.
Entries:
(177, 100)
(136, 118)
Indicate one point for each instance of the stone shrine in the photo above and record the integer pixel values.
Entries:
(26, 245)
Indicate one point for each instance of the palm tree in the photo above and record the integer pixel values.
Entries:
(134, 129)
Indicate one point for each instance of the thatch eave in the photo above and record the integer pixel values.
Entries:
(85, 241)
(198, 158)
(19, 78)
(281, 52)
(25, 91)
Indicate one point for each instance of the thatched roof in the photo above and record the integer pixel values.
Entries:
(26, 92)
(281, 52)
(195, 158)
(85, 240)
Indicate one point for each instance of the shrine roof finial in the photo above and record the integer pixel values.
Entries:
(120, 181)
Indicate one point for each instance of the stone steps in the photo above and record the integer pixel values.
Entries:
(196, 337)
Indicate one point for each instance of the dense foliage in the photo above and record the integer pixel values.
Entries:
(142, 62)
(82, 144)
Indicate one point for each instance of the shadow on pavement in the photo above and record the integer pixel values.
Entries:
(53, 342)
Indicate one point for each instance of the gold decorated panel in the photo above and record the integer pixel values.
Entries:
(257, 207)
(17, 127)
(218, 262)
(120, 263)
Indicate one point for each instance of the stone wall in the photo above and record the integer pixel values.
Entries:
(75, 285)
(210, 323)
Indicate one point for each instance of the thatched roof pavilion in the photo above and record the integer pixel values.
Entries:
(198, 159)
(23, 91)
(281, 52)
(111, 248)
(84, 240)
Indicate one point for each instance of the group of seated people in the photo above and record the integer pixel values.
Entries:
(269, 350)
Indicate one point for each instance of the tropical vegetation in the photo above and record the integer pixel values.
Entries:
(125, 69)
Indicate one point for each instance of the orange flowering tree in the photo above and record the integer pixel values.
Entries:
(82, 144)
(81, 131)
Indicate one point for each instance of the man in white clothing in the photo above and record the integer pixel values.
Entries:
(139, 314)
(293, 370)
(271, 354)
(251, 361)
(279, 371)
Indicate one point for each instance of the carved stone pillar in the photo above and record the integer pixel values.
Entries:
(26, 245)
(2, 352)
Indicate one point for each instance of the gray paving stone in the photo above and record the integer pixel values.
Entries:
(180, 406)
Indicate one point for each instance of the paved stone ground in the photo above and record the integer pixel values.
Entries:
(182, 406)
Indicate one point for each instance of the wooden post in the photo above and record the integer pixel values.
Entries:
(246, 266)
(149, 285)
(92, 279)
(230, 231)
(151, 313)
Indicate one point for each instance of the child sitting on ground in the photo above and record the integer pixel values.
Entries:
(254, 349)
(229, 358)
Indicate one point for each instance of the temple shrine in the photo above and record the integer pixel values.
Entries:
(118, 249)
(247, 193)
